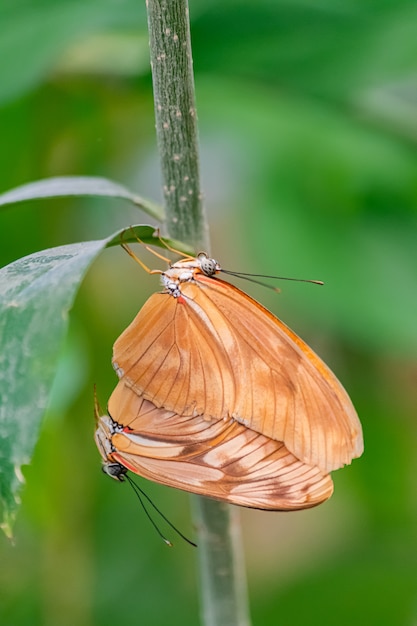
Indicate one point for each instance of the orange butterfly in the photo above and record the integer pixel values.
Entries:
(218, 397)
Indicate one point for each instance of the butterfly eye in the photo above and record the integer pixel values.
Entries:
(208, 266)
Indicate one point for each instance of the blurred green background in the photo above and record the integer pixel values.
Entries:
(308, 128)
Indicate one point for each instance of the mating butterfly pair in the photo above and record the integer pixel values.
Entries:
(218, 397)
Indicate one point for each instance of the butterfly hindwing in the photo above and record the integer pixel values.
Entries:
(221, 459)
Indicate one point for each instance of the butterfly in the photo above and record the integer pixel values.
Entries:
(218, 397)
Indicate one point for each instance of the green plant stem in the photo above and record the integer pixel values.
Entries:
(176, 119)
(221, 563)
(222, 574)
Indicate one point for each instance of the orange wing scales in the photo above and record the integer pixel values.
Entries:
(221, 354)
(220, 459)
(218, 397)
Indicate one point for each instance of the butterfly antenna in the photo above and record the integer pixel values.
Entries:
(97, 410)
(252, 280)
(139, 493)
(251, 277)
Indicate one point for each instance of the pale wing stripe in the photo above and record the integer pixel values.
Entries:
(210, 354)
(230, 312)
(203, 322)
(242, 360)
(231, 351)
(224, 378)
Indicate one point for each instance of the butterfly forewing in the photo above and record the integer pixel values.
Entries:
(215, 352)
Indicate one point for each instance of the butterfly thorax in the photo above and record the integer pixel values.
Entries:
(186, 271)
(106, 428)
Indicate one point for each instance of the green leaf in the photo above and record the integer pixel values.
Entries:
(64, 186)
(36, 294)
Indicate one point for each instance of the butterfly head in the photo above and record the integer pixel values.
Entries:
(208, 266)
(114, 470)
(186, 270)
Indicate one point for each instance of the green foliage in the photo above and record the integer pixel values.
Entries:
(307, 125)
(34, 33)
(65, 186)
(36, 294)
